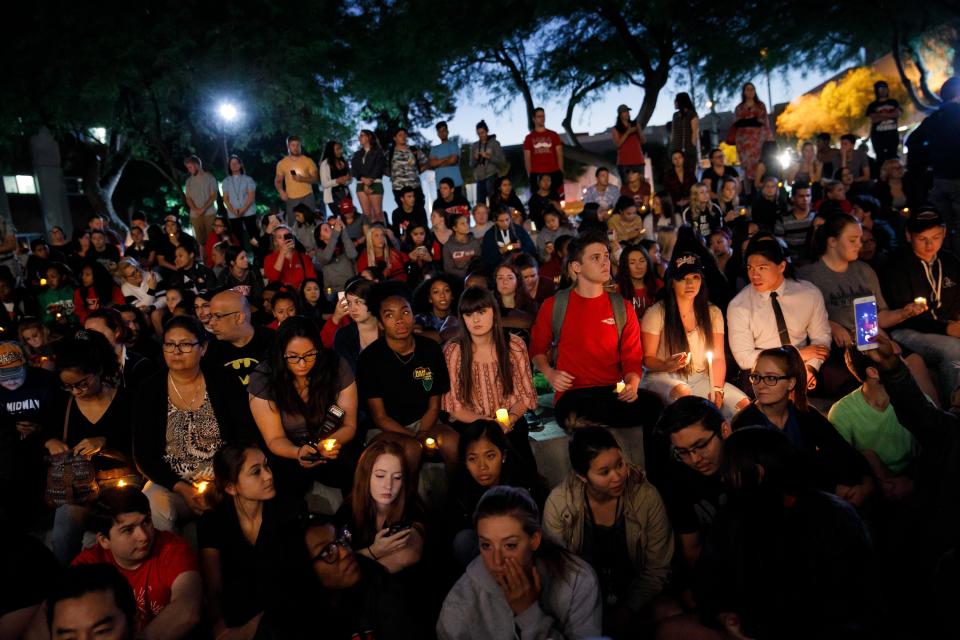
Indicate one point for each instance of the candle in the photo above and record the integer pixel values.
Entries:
(59, 315)
(503, 416)
(43, 282)
(329, 444)
(533, 226)
(710, 367)
(906, 210)
(621, 386)
(743, 211)
(202, 486)
(921, 300)
(431, 443)
(121, 483)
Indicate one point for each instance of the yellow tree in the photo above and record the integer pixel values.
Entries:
(838, 108)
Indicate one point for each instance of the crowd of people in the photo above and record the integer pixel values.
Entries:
(175, 402)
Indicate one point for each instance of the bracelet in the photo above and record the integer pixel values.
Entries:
(370, 551)
(718, 389)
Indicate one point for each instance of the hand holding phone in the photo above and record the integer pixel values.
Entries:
(866, 321)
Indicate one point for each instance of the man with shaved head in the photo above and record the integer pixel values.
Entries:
(239, 345)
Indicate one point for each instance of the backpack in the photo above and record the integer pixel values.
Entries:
(560, 301)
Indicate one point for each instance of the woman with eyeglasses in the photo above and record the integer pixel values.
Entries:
(522, 585)
(610, 515)
(304, 401)
(779, 381)
(241, 541)
(183, 416)
(97, 420)
(383, 511)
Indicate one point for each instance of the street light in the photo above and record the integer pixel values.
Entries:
(228, 113)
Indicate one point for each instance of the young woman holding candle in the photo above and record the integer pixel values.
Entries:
(291, 396)
(96, 420)
(489, 371)
(521, 585)
(610, 515)
(683, 341)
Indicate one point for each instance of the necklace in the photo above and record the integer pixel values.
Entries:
(193, 400)
(409, 357)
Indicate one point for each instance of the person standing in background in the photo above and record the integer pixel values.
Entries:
(295, 177)
(201, 193)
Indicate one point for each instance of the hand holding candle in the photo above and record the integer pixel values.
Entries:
(710, 367)
(329, 444)
(503, 418)
(430, 443)
(621, 386)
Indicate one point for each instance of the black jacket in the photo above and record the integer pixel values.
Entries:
(904, 280)
(149, 417)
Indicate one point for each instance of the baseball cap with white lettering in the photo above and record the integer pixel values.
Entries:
(11, 361)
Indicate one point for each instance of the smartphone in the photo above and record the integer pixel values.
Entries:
(397, 527)
(865, 319)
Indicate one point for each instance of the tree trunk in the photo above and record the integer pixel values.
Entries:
(898, 60)
(99, 191)
(576, 97)
(520, 80)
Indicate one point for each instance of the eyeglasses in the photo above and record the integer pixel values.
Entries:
(179, 347)
(685, 454)
(294, 358)
(81, 386)
(331, 553)
(221, 316)
(770, 381)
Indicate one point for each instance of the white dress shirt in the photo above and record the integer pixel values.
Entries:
(752, 325)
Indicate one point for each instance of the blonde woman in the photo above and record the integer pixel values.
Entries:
(378, 254)
(702, 213)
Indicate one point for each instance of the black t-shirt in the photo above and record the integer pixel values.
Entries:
(715, 178)
(405, 383)
(39, 399)
(887, 127)
(243, 360)
(250, 573)
(691, 498)
(33, 565)
(400, 220)
(456, 204)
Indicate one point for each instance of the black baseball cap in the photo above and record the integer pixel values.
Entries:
(685, 264)
(924, 218)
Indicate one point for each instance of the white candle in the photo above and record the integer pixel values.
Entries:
(710, 367)
(621, 386)
(920, 300)
(431, 443)
(503, 417)
(329, 444)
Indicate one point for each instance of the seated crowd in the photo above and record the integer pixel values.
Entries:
(318, 423)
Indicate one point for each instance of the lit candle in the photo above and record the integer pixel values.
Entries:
(121, 483)
(503, 416)
(431, 443)
(621, 386)
(43, 282)
(920, 300)
(202, 486)
(710, 367)
(329, 444)
(533, 226)
(906, 210)
(743, 211)
(643, 208)
(59, 315)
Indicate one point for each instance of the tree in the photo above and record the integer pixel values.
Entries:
(151, 75)
(838, 108)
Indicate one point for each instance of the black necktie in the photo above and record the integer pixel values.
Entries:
(781, 323)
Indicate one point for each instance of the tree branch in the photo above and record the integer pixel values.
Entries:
(928, 95)
(898, 60)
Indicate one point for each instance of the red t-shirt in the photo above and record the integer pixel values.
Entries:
(630, 152)
(294, 270)
(592, 362)
(152, 582)
(542, 146)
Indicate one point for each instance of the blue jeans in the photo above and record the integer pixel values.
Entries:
(485, 187)
(945, 196)
(937, 350)
(68, 528)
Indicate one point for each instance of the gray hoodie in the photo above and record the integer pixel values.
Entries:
(489, 167)
(568, 609)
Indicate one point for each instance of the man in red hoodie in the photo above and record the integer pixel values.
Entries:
(598, 346)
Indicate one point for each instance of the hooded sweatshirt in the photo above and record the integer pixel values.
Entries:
(569, 607)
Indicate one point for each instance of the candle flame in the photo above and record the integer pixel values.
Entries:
(329, 444)
(202, 486)
(431, 443)
(709, 356)
(122, 483)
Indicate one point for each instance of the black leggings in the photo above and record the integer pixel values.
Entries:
(243, 229)
(599, 405)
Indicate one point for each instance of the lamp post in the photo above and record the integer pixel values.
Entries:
(228, 114)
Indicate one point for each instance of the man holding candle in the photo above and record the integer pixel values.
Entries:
(597, 341)
(402, 377)
(923, 273)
